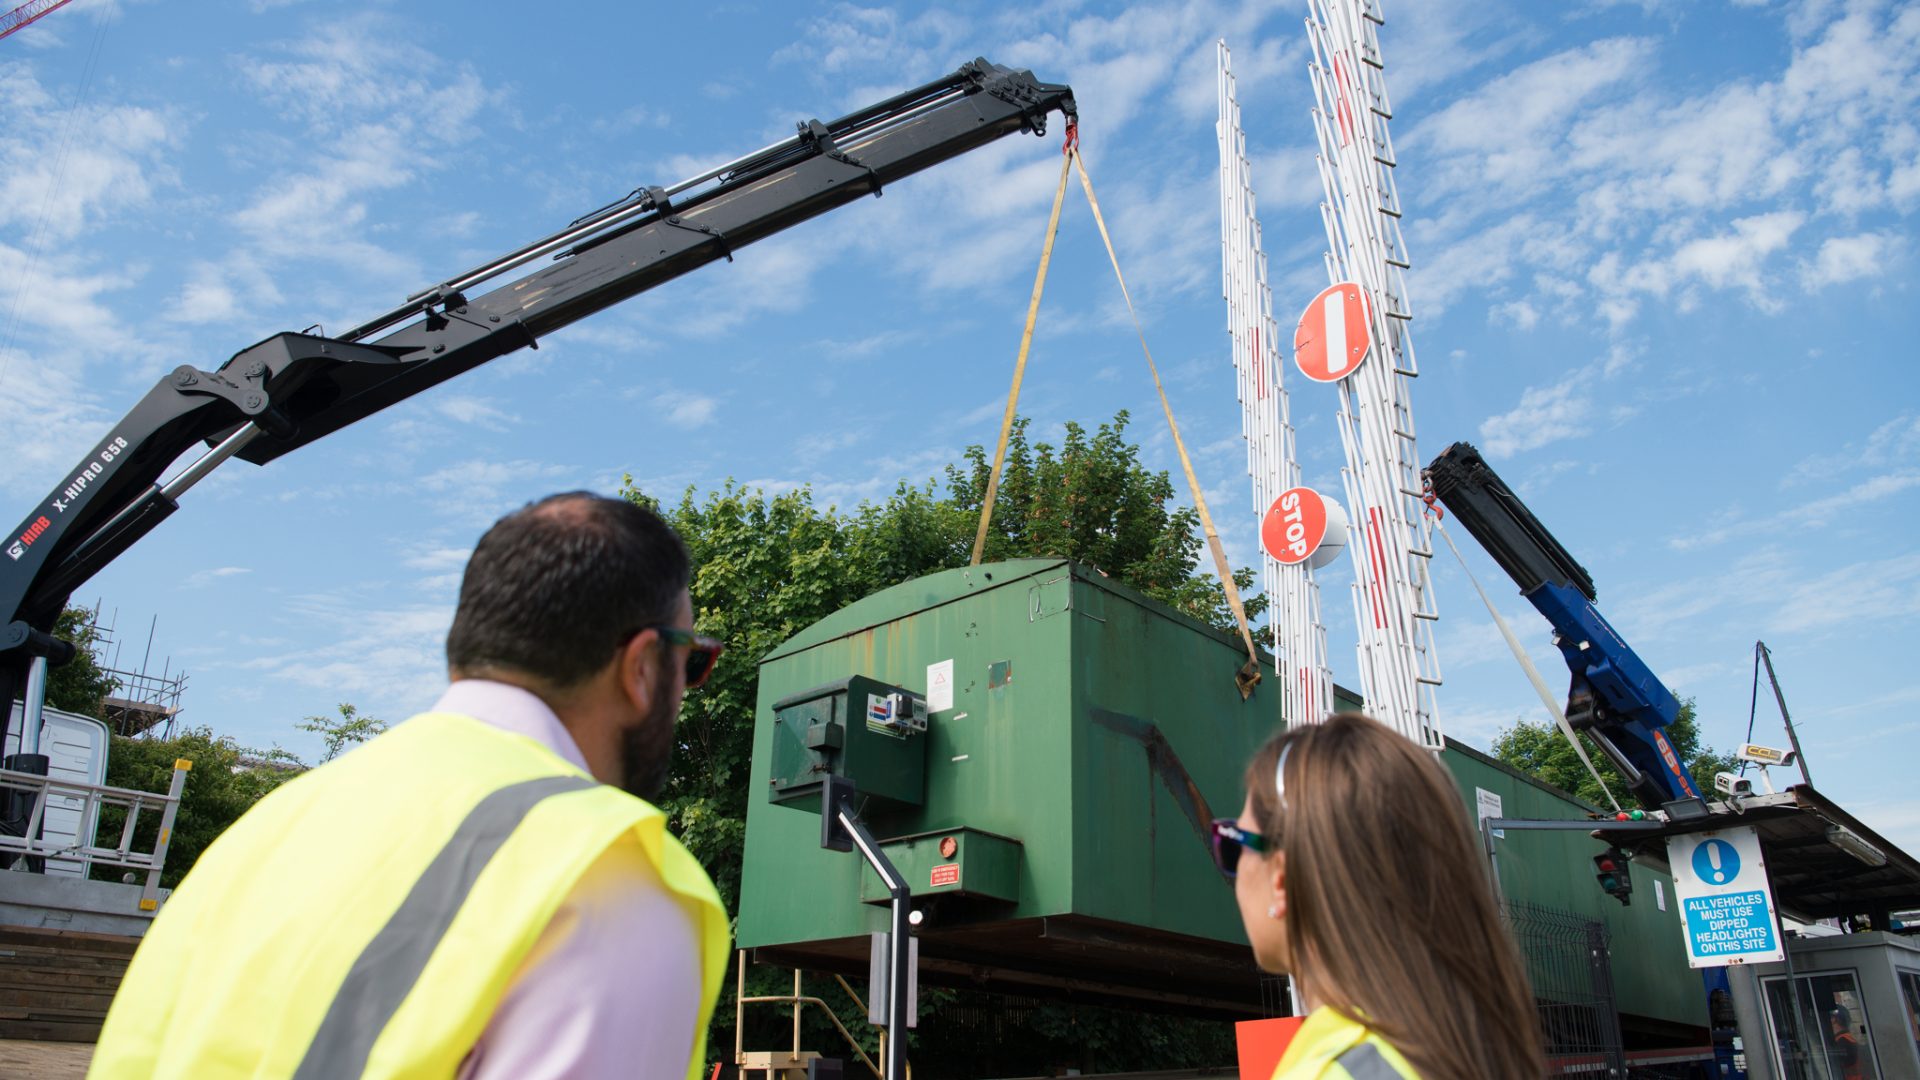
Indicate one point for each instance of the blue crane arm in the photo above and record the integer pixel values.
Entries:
(1614, 697)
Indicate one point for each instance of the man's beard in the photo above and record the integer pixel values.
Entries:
(646, 749)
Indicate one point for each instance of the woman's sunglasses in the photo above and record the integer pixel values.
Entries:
(702, 651)
(1228, 838)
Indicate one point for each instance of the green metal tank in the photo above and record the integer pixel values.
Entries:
(1052, 815)
(1090, 736)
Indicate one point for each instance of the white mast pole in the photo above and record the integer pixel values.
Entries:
(1299, 636)
(1392, 594)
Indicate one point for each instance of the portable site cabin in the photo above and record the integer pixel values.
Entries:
(1040, 750)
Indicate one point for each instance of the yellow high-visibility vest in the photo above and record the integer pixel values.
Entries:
(366, 918)
(1330, 1046)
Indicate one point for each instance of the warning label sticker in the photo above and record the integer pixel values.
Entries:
(945, 874)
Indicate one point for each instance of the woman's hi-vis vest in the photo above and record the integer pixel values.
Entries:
(1330, 1046)
(366, 918)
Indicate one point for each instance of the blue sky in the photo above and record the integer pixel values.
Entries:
(1663, 277)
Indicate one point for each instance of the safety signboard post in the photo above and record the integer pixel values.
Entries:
(1726, 904)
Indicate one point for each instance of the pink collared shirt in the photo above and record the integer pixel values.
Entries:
(612, 987)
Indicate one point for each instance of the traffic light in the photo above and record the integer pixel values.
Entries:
(1610, 869)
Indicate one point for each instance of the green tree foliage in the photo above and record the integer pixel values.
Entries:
(1093, 502)
(768, 566)
(79, 685)
(344, 732)
(1538, 749)
(225, 780)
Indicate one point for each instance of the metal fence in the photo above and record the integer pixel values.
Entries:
(1568, 962)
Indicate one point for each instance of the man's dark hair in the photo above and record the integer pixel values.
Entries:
(553, 588)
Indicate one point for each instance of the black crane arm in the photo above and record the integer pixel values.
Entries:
(291, 388)
(1496, 517)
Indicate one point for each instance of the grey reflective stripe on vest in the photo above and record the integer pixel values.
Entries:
(387, 968)
(1365, 1062)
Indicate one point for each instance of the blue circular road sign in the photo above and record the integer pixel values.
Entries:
(1716, 862)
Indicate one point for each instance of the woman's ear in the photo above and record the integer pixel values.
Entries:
(1277, 886)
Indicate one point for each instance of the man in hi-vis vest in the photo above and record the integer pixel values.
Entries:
(484, 891)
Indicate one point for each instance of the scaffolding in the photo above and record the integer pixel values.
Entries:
(140, 701)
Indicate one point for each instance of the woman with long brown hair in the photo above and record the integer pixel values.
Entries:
(1357, 873)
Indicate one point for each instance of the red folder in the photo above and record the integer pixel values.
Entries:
(1262, 1043)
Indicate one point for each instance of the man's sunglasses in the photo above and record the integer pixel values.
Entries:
(702, 651)
(1227, 840)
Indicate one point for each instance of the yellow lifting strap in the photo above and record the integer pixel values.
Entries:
(1249, 674)
(1020, 367)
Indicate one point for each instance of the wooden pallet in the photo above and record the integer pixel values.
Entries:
(56, 985)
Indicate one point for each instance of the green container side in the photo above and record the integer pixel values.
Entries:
(1161, 738)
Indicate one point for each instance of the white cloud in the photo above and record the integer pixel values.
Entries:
(202, 578)
(1867, 491)
(1545, 414)
(1590, 159)
(1436, 40)
(684, 410)
(224, 292)
(372, 107)
(1853, 595)
(475, 410)
(65, 169)
(1506, 133)
(1733, 258)
(1716, 528)
(68, 299)
(484, 486)
(438, 558)
(1895, 442)
(1518, 313)
(1847, 258)
(387, 660)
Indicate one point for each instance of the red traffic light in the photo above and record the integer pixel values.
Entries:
(1611, 872)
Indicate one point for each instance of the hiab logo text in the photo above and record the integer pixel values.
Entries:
(18, 548)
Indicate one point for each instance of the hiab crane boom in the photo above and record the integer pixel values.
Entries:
(1615, 698)
(293, 388)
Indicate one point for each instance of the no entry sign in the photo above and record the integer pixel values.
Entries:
(1333, 334)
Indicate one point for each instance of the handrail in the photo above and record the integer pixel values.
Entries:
(93, 798)
(795, 999)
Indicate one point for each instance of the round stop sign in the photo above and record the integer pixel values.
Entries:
(1333, 334)
(1294, 525)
